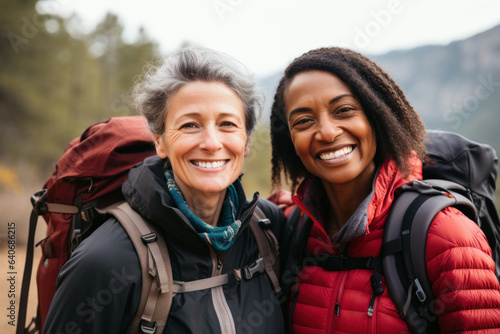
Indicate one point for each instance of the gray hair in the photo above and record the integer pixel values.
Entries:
(186, 65)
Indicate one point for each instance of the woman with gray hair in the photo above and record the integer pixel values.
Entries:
(201, 107)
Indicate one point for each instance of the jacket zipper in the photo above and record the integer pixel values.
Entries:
(340, 293)
(221, 307)
(338, 297)
(376, 282)
(219, 301)
(372, 328)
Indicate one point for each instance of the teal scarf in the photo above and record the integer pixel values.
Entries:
(220, 237)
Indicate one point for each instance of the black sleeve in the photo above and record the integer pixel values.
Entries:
(292, 247)
(98, 289)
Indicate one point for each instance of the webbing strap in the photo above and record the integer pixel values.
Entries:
(333, 262)
(149, 309)
(404, 251)
(264, 239)
(62, 208)
(154, 248)
(156, 299)
(201, 284)
(41, 206)
(155, 303)
(28, 266)
(406, 233)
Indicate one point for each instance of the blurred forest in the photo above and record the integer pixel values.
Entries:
(56, 80)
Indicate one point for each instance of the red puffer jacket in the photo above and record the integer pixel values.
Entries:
(458, 262)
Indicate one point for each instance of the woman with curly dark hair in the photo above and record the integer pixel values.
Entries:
(346, 137)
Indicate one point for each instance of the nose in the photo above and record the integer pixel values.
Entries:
(210, 141)
(327, 130)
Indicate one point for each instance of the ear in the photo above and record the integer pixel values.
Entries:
(247, 146)
(160, 147)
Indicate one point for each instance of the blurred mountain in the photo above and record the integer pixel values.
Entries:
(454, 87)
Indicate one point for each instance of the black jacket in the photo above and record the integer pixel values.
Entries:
(98, 289)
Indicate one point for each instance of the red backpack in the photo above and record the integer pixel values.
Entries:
(89, 175)
(84, 189)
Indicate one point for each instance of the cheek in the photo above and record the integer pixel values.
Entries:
(299, 143)
(369, 135)
(174, 144)
(238, 144)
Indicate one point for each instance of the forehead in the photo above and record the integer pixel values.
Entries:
(205, 88)
(203, 96)
(308, 84)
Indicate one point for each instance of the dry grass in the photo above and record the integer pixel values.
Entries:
(4, 288)
(15, 207)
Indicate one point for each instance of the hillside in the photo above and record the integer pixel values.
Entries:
(454, 87)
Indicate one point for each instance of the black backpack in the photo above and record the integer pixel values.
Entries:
(463, 175)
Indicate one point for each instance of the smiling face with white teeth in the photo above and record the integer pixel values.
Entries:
(329, 128)
(205, 138)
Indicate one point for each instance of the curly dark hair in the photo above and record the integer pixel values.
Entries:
(397, 126)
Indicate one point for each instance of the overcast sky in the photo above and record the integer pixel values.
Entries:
(267, 34)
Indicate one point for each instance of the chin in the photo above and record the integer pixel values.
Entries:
(210, 187)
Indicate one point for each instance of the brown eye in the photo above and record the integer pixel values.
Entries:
(302, 121)
(345, 109)
(228, 124)
(188, 126)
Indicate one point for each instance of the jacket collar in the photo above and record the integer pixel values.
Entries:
(146, 191)
(311, 198)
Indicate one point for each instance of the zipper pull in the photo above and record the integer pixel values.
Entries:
(378, 289)
(376, 282)
(219, 262)
(337, 309)
(370, 308)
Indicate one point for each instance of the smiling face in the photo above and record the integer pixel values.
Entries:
(205, 138)
(329, 129)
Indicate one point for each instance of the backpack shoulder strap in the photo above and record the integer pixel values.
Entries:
(158, 287)
(268, 246)
(403, 253)
(157, 283)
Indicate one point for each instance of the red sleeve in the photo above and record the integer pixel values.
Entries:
(462, 274)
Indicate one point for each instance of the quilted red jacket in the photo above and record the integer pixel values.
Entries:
(459, 265)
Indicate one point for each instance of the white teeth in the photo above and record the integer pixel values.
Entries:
(209, 165)
(336, 154)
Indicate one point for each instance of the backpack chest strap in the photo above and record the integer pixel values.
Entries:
(331, 262)
(200, 284)
(243, 274)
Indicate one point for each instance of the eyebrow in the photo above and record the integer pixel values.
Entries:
(303, 109)
(196, 115)
(200, 114)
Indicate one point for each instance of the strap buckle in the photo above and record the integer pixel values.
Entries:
(89, 214)
(148, 327)
(265, 223)
(419, 291)
(148, 238)
(39, 202)
(257, 267)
